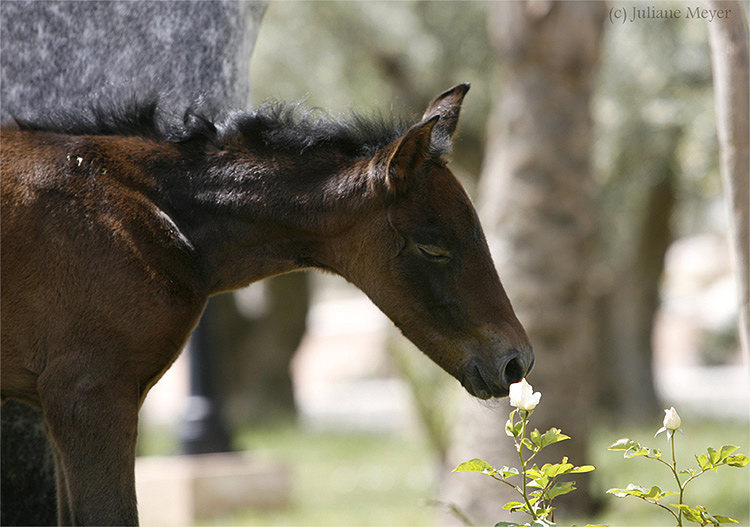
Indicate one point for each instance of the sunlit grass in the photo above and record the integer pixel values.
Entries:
(342, 479)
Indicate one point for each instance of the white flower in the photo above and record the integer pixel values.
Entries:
(672, 421)
(522, 396)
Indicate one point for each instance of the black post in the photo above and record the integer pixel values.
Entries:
(203, 430)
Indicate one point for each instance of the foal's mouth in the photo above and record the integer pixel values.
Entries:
(485, 382)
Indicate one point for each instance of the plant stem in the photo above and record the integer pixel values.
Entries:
(524, 419)
(677, 477)
(670, 511)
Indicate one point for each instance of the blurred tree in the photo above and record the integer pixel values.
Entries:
(655, 164)
(387, 57)
(257, 344)
(538, 211)
(729, 53)
(626, 311)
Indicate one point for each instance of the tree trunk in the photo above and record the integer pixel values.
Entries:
(627, 311)
(256, 351)
(537, 206)
(728, 38)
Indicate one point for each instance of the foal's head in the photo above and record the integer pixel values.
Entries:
(424, 260)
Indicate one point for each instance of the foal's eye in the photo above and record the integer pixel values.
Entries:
(434, 253)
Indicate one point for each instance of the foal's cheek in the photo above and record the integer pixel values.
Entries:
(433, 292)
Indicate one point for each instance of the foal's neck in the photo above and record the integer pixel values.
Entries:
(254, 214)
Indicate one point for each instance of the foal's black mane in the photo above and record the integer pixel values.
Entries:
(273, 124)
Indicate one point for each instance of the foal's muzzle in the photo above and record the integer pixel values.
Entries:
(484, 380)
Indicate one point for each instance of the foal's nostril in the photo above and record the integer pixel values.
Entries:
(513, 371)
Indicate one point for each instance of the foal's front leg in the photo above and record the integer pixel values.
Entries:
(92, 422)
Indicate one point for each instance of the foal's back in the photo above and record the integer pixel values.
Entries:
(90, 260)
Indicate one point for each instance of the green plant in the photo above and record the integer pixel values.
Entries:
(538, 486)
(710, 461)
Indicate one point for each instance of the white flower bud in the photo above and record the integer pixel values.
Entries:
(672, 421)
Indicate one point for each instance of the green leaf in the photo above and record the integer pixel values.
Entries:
(517, 429)
(513, 429)
(560, 488)
(737, 460)
(535, 437)
(509, 427)
(725, 519)
(507, 472)
(513, 506)
(476, 465)
(534, 472)
(582, 469)
(551, 436)
(557, 469)
(636, 450)
(622, 445)
(703, 462)
(618, 493)
(630, 447)
(630, 490)
(508, 524)
(726, 451)
(708, 516)
(539, 482)
(715, 458)
(654, 493)
(665, 494)
(654, 452)
(693, 515)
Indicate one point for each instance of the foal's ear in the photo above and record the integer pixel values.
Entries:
(447, 106)
(411, 151)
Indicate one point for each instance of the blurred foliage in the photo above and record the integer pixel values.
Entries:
(655, 82)
(388, 57)
(393, 57)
